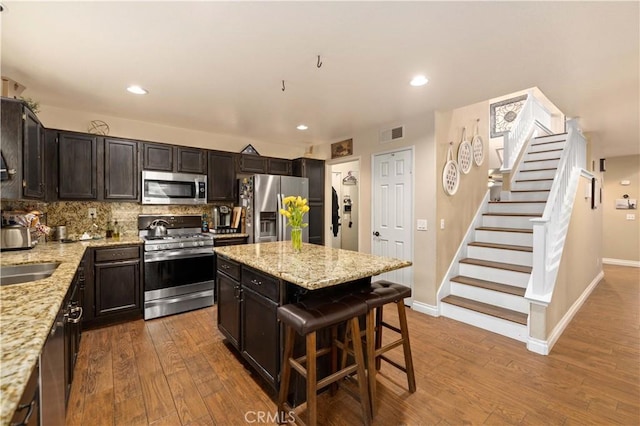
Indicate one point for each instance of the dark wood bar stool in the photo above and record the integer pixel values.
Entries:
(306, 318)
(376, 297)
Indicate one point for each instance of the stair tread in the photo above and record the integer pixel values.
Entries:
(497, 265)
(551, 136)
(492, 228)
(538, 170)
(545, 143)
(513, 214)
(546, 159)
(532, 180)
(501, 246)
(490, 285)
(548, 150)
(487, 309)
(530, 190)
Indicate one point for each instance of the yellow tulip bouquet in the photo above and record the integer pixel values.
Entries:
(295, 208)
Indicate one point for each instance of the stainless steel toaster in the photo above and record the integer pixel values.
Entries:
(15, 237)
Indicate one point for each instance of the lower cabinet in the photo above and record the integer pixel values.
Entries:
(28, 411)
(72, 327)
(247, 304)
(113, 291)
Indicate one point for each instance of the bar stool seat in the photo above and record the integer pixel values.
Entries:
(306, 318)
(379, 294)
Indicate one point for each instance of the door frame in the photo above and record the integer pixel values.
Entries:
(411, 207)
(328, 182)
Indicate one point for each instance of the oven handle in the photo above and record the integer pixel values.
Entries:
(178, 254)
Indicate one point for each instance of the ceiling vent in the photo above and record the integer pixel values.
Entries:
(389, 135)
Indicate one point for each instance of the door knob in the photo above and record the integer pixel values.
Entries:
(376, 234)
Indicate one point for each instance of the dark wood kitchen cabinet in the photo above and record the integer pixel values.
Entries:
(113, 289)
(222, 184)
(229, 296)
(78, 166)
(120, 169)
(249, 163)
(171, 158)
(279, 166)
(22, 143)
(314, 171)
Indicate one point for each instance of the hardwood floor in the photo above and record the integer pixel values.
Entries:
(177, 371)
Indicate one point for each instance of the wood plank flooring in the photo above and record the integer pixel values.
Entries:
(178, 371)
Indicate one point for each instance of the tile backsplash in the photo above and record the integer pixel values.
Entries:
(74, 214)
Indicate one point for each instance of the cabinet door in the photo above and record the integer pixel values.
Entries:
(11, 131)
(120, 169)
(229, 293)
(253, 164)
(33, 157)
(316, 223)
(222, 184)
(279, 166)
(192, 160)
(157, 156)
(117, 287)
(261, 334)
(77, 166)
(314, 171)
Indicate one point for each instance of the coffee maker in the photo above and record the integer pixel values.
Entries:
(221, 218)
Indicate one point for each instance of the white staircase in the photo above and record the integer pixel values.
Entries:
(495, 267)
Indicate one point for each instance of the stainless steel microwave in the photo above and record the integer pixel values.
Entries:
(173, 188)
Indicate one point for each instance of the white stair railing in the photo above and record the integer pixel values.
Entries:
(550, 231)
(531, 117)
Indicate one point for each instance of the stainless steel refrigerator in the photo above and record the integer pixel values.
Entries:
(262, 197)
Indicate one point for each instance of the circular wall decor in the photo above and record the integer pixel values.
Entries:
(464, 157)
(98, 127)
(450, 174)
(478, 150)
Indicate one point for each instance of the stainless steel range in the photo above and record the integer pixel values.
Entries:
(179, 268)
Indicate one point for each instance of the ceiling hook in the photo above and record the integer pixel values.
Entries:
(319, 64)
(283, 88)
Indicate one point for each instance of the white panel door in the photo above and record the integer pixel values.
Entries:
(392, 211)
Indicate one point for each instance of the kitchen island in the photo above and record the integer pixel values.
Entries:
(254, 279)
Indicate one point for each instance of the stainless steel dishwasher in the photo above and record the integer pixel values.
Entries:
(52, 386)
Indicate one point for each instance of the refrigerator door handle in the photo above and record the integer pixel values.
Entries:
(280, 224)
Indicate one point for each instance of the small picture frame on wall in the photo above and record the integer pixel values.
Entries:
(594, 182)
(342, 149)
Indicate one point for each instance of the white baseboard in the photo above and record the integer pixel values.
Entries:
(424, 308)
(544, 347)
(621, 262)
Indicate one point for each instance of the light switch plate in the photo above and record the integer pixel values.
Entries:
(422, 225)
(631, 216)
(441, 223)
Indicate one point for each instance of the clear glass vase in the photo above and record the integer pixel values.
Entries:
(296, 239)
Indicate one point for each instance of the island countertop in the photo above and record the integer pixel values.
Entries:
(315, 267)
(27, 312)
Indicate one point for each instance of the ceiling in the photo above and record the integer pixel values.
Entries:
(218, 66)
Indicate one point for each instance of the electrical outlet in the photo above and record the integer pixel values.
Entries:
(92, 214)
(441, 223)
(422, 225)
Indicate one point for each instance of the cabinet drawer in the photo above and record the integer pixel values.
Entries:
(229, 267)
(117, 253)
(265, 285)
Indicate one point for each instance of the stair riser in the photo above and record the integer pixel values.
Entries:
(529, 196)
(542, 155)
(516, 207)
(547, 164)
(495, 298)
(523, 222)
(551, 138)
(536, 174)
(515, 257)
(535, 184)
(499, 237)
(495, 325)
(502, 276)
(547, 146)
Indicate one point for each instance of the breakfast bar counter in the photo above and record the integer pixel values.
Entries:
(253, 280)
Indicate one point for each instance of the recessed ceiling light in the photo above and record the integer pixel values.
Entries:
(302, 127)
(419, 80)
(137, 90)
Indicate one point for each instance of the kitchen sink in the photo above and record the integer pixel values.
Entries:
(15, 274)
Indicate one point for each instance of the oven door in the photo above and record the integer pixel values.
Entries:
(174, 272)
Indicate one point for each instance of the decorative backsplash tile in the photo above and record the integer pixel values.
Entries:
(74, 214)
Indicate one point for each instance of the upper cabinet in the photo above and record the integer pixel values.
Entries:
(279, 166)
(22, 146)
(78, 166)
(252, 164)
(222, 184)
(120, 169)
(170, 158)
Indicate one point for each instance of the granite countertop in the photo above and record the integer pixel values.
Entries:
(224, 236)
(315, 267)
(27, 312)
